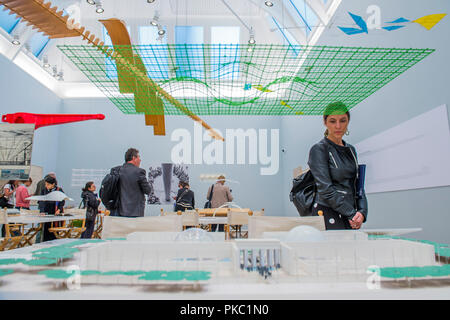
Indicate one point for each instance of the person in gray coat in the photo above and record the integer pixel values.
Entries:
(133, 186)
(221, 195)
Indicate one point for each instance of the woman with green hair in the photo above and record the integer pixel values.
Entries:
(334, 165)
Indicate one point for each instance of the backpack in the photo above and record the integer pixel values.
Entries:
(109, 191)
(303, 193)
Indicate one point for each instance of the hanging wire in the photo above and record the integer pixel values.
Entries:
(283, 21)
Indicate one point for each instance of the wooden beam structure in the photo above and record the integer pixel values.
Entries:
(42, 16)
(145, 99)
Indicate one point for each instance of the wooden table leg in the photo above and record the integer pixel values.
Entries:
(32, 232)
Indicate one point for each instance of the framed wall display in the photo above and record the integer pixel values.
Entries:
(16, 143)
(163, 179)
(412, 155)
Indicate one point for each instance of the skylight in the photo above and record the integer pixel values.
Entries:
(225, 52)
(189, 60)
(8, 21)
(307, 16)
(290, 39)
(157, 61)
(37, 43)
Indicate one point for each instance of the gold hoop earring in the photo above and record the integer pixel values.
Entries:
(326, 133)
(347, 133)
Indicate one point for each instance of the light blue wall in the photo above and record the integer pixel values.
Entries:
(102, 145)
(420, 89)
(22, 93)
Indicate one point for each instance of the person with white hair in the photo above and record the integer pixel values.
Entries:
(221, 194)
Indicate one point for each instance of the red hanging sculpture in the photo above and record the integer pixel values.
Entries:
(42, 120)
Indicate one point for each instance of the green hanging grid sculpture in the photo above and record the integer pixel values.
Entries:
(248, 80)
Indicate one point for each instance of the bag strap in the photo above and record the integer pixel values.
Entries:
(211, 194)
(182, 195)
(84, 201)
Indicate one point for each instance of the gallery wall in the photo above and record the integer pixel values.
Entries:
(102, 145)
(20, 92)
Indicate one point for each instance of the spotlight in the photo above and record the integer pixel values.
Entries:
(91, 2)
(252, 37)
(268, 3)
(45, 63)
(249, 49)
(155, 19)
(161, 31)
(16, 40)
(150, 1)
(99, 9)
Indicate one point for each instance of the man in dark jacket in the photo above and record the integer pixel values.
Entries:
(133, 186)
(40, 187)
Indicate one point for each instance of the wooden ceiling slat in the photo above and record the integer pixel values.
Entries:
(43, 16)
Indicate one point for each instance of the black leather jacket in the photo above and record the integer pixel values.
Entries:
(335, 170)
(90, 200)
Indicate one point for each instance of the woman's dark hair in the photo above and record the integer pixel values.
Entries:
(184, 184)
(50, 180)
(130, 154)
(12, 183)
(87, 186)
(335, 108)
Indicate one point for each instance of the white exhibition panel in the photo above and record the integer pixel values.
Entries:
(412, 155)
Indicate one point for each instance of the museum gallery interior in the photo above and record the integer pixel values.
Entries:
(224, 149)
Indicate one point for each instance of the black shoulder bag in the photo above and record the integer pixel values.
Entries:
(303, 193)
(90, 212)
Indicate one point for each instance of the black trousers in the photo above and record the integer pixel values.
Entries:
(333, 220)
(182, 209)
(48, 236)
(87, 234)
(214, 227)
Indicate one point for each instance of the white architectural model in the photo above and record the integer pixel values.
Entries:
(194, 257)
